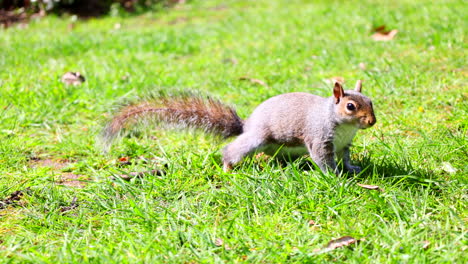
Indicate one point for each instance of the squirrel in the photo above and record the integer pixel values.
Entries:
(294, 123)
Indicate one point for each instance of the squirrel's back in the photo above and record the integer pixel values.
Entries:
(280, 119)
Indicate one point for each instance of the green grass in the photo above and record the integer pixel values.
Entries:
(261, 211)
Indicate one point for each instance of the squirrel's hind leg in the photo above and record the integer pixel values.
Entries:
(239, 148)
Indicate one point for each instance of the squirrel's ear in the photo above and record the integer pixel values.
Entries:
(358, 86)
(338, 92)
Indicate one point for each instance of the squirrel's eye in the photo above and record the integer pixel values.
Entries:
(350, 107)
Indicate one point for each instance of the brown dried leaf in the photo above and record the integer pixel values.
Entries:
(254, 81)
(72, 206)
(73, 78)
(124, 161)
(341, 242)
(12, 199)
(380, 28)
(312, 222)
(382, 34)
(232, 61)
(369, 187)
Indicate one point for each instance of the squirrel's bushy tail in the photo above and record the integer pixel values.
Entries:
(183, 110)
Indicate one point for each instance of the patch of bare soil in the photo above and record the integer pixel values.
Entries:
(73, 180)
(57, 165)
(54, 164)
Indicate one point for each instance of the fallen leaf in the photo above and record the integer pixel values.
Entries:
(219, 242)
(341, 242)
(12, 199)
(382, 34)
(369, 187)
(232, 61)
(447, 167)
(72, 206)
(73, 78)
(385, 37)
(312, 222)
(124, 160)
(125, 77)
(362, 66)
(426, 244)
(254, 81)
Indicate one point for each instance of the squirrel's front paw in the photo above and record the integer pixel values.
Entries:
(353, 169)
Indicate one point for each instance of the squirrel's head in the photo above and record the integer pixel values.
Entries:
(353, 107)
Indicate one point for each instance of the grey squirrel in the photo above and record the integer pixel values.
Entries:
(292, 122)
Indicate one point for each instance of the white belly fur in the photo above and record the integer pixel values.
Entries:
(344, 135)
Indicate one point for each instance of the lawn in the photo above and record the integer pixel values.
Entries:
(73, 206)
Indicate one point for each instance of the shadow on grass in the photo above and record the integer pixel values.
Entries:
(398, 172)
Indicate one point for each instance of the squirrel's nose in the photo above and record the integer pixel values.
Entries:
(371, 121)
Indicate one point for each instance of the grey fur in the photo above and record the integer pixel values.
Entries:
(302, 119)
(323, 127)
